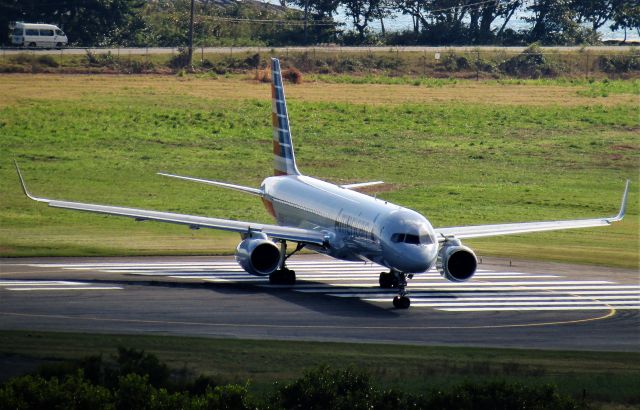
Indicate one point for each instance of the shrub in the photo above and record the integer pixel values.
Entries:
(454, 62)
(531, 63)
(324, 388)
(293, 75)
(47, 60)
(498, 395)
(348, 64)
(101, 60)
(180, 60)
(618, 64)
(231, 396)
(263, 75)
(252, 61)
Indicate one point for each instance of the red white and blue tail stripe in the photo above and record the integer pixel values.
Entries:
(284, 161)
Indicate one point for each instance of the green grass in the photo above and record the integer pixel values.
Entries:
(457, 162)
(606, 377)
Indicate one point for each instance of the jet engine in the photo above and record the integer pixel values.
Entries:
(258, 255)
(456, 262)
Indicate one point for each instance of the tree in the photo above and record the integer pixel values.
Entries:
(556, 22)
(362, 12)
(86, 23)
(626, 16)
(482, 17)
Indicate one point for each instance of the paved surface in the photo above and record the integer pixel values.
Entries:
(538, 305)
(124, 51)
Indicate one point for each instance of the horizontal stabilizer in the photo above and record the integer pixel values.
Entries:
(362, 184)
(241, 188)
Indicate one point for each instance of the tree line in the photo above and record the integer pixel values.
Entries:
(297, 22)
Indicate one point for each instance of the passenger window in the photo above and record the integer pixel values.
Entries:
(48, 33)
(412, 239)
(32, 32)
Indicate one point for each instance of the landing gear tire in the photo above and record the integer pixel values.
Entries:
(283, 277)
(401, 302)
(387, 280)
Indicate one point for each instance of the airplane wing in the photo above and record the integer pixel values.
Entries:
(194, 222)
(480, 231)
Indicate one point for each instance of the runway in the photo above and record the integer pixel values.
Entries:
(525, 305)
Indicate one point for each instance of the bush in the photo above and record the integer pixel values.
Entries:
(37, 63)
(531, 63)
(231, 396)
(293, 75)
(324, 388)
(180, 60)
(101, 60)
(127, 384)
(498, 395)
(619, 64)
(454, 62)
(35, 392)
(263, 75)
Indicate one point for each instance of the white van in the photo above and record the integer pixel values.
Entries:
(38, 35)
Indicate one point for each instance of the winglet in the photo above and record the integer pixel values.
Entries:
(623, 205)
(24, 186)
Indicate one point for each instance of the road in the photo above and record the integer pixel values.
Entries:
(285, 50)
(527, 305)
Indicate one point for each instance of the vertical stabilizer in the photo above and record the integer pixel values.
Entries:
(284, 161)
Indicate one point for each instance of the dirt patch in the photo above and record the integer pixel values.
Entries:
(52, 87)
(625, 147)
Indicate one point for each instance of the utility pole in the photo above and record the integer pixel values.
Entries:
(191, 34)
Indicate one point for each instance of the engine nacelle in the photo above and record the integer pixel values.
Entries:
(258, 255)
(456, 262)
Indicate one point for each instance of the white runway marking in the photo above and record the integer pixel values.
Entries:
(51, 285)
(487, 291)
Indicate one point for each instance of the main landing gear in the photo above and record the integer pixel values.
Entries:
(397, 280)
(284, 275)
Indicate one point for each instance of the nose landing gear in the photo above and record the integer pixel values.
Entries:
(397, 280)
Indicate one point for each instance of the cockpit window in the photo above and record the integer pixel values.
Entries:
(425, 239)
(412, 239)
(397, 237)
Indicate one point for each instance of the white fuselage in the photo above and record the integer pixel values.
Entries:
(358, 226)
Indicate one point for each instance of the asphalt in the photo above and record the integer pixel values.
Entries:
(507, 304)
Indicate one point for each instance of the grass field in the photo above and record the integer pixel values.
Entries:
(603, 377)
(461, 152)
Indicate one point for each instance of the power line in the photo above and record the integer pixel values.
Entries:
(268, 21)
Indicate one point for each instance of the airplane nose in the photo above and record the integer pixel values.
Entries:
(414, 259)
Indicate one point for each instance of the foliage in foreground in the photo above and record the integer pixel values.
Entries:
(137, 380)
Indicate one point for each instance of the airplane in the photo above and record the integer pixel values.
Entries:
(335, 220)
